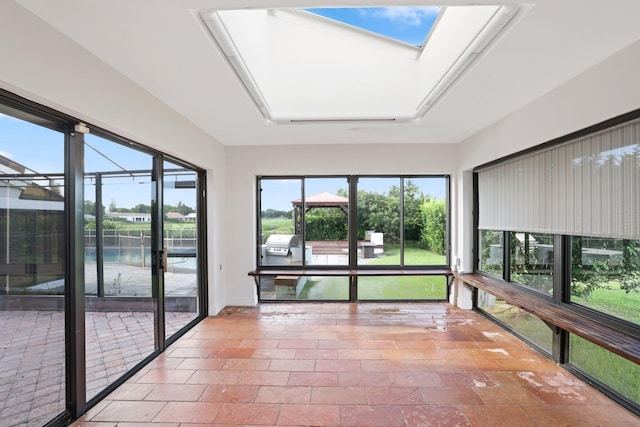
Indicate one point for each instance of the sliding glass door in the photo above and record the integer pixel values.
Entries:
(32, 269)
(180, 246)
(96, 272)
(118, 277)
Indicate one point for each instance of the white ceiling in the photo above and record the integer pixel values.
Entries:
(162, 47)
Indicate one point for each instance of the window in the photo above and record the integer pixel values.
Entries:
(287, 58)
(523, 323)
(532, 261)
(111, 244)
(607, 368)
(353, 222)
(491, 252)
(406, 24)
(569, 212)
(605, 276)
(32, 266)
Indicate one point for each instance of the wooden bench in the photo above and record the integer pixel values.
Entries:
(614, 340)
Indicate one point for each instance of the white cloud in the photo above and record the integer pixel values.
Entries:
(403, 15)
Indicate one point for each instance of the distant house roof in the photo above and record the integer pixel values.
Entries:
(323, 199)
(174, 215)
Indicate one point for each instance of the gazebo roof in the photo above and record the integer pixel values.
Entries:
(323, 199)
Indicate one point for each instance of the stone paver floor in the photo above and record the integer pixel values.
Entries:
(346, 364)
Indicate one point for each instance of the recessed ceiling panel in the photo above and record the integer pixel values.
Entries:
(299, 66)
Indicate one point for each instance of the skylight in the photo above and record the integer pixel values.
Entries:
(406, 24)
(298, 66)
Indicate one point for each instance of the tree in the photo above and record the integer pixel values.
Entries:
(273, 213)
(89, 208)
(379, 212)
(141, 208)
(183, 209)
(413, 221)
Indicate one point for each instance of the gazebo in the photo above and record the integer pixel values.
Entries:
(320, 200)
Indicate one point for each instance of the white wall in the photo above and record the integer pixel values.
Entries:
(42, 65)
(609, 89)
(245, 163)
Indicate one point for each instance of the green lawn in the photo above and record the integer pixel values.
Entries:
(413, 255)
(613, 301)
(276, 226)
(385, 287)
(326, 288)
(402, 287)
(617, 372)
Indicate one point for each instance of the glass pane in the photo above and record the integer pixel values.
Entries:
(379, 221)
(180, 246)
(605, 276)
(280, 223)
(491, 252)
(386, 21)
(402, 288)
(32, 276)
(616, 372)
(532, 261)
(526, 324)
(326, 221)
(119, 304)
(425, 221)
(319, 288)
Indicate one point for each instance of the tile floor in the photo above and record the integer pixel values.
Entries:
(353, 365)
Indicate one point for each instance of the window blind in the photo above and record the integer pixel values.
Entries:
(589, 186)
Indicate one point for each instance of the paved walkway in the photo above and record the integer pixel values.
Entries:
(32, 372)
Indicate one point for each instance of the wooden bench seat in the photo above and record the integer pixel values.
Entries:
(614, 340)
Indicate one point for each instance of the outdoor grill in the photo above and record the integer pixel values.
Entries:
(281, 244)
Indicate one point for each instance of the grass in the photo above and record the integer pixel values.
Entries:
(385, 287)
(617, 372)
(614, 301)
(402, 287)
(376, 288)
(413, 255)
(276, 226)
(326, 288)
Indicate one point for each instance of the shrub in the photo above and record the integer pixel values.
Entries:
(326, 224)
(433, 234)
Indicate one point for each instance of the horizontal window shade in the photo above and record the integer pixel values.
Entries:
(586, 187)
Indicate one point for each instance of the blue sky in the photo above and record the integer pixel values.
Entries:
(278, 194)
(408, 24)
(42, 150)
